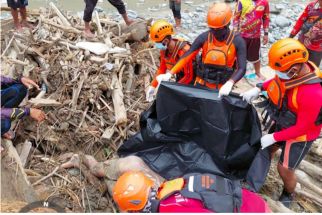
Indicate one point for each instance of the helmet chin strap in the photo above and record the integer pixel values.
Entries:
(152, 204)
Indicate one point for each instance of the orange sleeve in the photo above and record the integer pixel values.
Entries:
(183, 61)
(162, 69)
(188, 67)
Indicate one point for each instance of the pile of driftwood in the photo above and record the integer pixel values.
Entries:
(92, 92)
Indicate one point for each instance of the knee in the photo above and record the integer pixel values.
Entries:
(5, 126)
(130, 163)
(21, 90)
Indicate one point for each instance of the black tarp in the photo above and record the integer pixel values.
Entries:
(190, 129)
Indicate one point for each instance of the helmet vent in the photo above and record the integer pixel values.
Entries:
(277, 64)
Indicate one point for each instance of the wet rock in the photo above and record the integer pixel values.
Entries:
(282, 21)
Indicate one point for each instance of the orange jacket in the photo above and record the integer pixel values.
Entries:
(168, 60)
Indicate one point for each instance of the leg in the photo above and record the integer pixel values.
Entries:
(293, 153)
(315, 57)
(257, 66)
(177, 14)
(288, 177)
(12, 96)
(14, 13)
(120, 6)
(5, 126)
(23, 14)
(89, 8)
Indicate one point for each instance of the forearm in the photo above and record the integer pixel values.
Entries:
(14, 113)
(7, 80)
(183, 62)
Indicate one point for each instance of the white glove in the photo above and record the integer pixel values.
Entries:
(267, 140)
(226, 89)
(150, 94)
(251, 94)
(164, 77)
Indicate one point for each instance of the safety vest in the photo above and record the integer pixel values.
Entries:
(276, 108)
(218, 59)
(217, 193)
(174, 58)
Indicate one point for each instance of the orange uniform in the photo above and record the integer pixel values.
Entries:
(168, 60)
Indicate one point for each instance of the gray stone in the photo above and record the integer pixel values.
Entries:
(282, 21)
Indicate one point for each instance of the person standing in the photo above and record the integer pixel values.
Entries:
(175, 6)
(21, 5)
(310, 25)
(249, 16)
(89, 8)
(171, 49)
(294, 105)
(223, 60)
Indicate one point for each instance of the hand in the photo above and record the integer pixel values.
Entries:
(251, 94)
(178, 1)
(226, 88)
(150, 94)
(37, 114)
(164, 77)
(265, 39)
(267, 140)
(29, 83)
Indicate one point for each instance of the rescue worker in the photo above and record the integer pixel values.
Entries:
(88, 12)
(294, 104)
(249, 16)
(223, 53)
(135, 192)
(171, 49)
(310, 25)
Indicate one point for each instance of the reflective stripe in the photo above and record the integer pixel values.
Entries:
(190, 184)
(294, 96)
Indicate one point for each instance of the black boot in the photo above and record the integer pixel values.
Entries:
(286, 198)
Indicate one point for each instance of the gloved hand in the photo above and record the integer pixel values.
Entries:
(150, 94)
(164, 77)
(267, 140)
(251, 94)
(226, 89)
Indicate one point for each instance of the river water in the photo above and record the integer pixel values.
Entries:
(142, 7)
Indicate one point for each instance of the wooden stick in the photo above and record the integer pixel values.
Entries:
(117, 97)
(98, 23)
(8, 46)
(277, 206)
(82, 120)
(311, 169)
(307, 195)
(67, 29)
(305, 181)
(47, 176)
(26, 147)
(60, 15)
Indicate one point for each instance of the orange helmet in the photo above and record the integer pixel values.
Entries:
(219, 15)
(285, 53)
(131, 191)
(160, 29)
